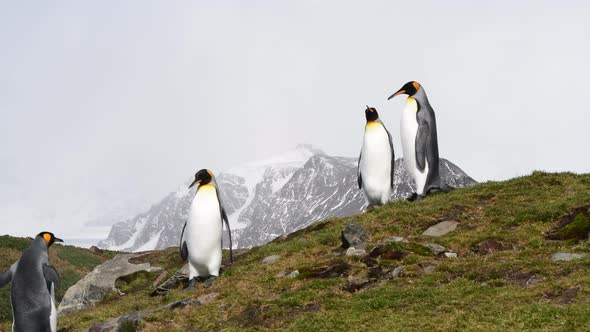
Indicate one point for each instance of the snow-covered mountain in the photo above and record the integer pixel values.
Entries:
(268, 198)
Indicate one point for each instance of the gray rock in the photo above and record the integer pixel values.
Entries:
(450, 255)
(354, 235)
(428, 269)
(435, 248)
(395, 273)
(397, 239)
(293, 274)
(442, 228)
(564, 256)
(352, 251)
(270, 259)
(95, 285)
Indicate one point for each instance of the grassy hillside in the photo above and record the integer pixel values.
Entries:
(516, 289)
(71, 262)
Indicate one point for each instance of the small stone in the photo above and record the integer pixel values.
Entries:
(564, 256)
(354, 235)
(428, 269)
(396, 272)
(293, 274)
(442, 228)
(396, 239)
(435, 248)
(281, 274)
(451, 254)
(270, 259)
(352, 251)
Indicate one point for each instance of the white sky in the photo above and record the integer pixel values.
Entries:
(120, 101)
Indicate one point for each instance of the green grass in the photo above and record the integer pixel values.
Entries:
(514, 290)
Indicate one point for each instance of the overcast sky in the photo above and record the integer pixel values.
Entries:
(104, 101)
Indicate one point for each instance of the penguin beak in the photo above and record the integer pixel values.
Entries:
(194, 182)
(399, 92)
(57, 240)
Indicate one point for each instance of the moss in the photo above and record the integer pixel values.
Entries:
(577, 229)
(79, 258)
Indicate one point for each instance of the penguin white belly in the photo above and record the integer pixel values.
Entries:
(203, 234)
(375, 165)
(53, 313)
(408, 130)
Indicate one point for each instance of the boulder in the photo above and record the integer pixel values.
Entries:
(354, 235)
(125, 322)
(440, 229)
(95, 285)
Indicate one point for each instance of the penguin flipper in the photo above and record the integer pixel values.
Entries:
(392, 157)
(183, 248)
(358, 171)
(421, 144)
(183, 251)
(226, 221)
(6, 276)
(51, 276)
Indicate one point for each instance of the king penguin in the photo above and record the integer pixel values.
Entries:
(376, 161)
(419, 140)
(200, 240)
(33, 287)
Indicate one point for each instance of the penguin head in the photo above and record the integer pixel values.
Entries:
(49, 238)
(202, 177)
(409, 89)
(371, 114)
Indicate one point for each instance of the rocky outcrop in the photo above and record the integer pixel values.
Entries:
(94, 286)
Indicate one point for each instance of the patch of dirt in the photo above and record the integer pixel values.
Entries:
(490, 246)
(522, 279)
(566, 296)
(335, 270)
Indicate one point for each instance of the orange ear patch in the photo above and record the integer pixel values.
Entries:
(416, 85)
(47, 238)
(210, 173)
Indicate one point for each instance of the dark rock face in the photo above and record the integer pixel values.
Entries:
(284, 198)
(354, 235)
(574, 226)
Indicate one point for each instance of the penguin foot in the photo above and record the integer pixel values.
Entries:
(415, 197)
(210, 281)
(191, 284)
(412, 197)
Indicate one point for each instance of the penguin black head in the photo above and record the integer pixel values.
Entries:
(371, 114)
(49, 238)
(202, 177)
(409, 89)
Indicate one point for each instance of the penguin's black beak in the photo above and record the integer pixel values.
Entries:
(194, 182)
(399, 92)
(58, 240)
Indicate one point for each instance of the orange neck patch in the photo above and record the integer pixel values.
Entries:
(373, 124)
(47, 238)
